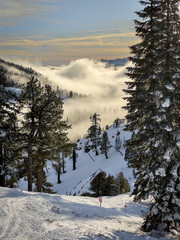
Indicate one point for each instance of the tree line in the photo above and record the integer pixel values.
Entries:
(32, 130)
(98, 140)
(103, 185)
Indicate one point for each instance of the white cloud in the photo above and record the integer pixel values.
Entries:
(13, 9)
(88, 77)
(93, 78)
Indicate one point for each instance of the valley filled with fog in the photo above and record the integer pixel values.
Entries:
(102, 86)
(88, 86)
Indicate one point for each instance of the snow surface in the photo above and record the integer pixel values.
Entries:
(166, 103)
(78, 181)
(39, 216)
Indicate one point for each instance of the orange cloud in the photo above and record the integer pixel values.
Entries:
(56, 49)
(87, 40)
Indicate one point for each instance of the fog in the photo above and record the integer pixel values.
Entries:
(102, 85)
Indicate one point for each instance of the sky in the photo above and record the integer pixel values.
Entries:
(54, 32)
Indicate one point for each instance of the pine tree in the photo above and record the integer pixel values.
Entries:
(109, 186)
(9, 150)
(105, 144)
(51, 137)
(43, 130)
(31, 98)
(94, 131)
(97, 184)
(117, 122)
(55, 130)
(154, 113)
(122, 184)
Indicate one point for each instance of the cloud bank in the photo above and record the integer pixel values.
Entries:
(88, 77)
(104, 86)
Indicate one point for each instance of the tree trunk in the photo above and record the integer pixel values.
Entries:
(96, 148)
(39, 180)
(106, 155)
(74, 159)
(59, 174)
(30, 166)
(2, 179)
(63, 163)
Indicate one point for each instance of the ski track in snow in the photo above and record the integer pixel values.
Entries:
(62, 217)
(35, 216)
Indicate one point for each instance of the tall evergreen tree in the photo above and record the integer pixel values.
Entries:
(52, 129)
(94, 131)
(43, 128)
(154, 113)
(105, 144)
(122, 184)
(109, 186)
(8, 133)
(97, 184)
(55, 130)
(31, 98)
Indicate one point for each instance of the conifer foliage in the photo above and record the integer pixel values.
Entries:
(105, 144)
(43, 130)
(8, 134)
(103, 185)
(122, 184)
(94, 131)
(154, 113)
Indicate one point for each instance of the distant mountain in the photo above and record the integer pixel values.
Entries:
(28, 70)
(115, 62)
(17, 75)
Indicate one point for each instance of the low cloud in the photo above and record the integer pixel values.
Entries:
(88, 77)
(104, 86)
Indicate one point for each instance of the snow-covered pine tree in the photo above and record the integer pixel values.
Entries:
(105, 144)
(8, 133)
(154, 113)
(53, 127)
(95, 130)
(31, 98)
(43, 129)
(51, 137)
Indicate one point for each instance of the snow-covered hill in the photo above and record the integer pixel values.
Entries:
(115, 62)
(37, 216)
(88, 165)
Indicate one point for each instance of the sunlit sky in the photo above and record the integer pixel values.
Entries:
(54, 32)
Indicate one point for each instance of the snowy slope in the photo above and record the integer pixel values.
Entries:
(36, 216)
(39, 216)
(78, 181)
